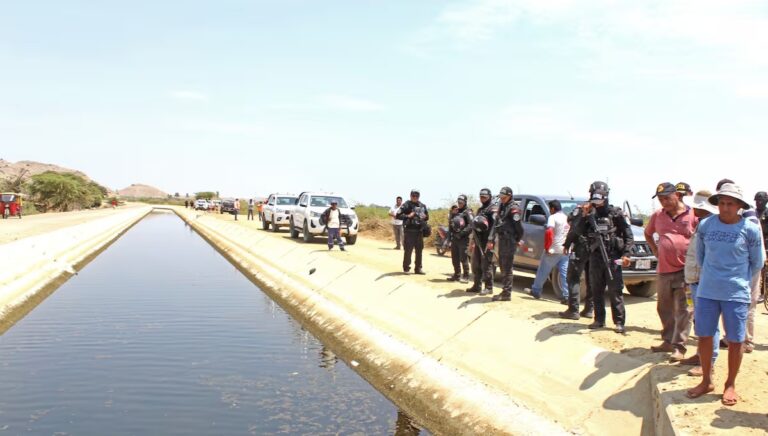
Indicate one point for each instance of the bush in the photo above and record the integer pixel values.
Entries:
(64, 191)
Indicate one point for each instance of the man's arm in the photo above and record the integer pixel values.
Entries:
(756, 249)
(700, 244)
(404, 210)
(650, 229)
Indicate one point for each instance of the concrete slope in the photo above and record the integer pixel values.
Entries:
(466, 370)
(31, 264)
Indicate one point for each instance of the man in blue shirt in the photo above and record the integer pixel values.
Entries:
(729, 253)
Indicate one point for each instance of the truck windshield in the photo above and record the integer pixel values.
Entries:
(568, 206)
(323, 201)
(286, 201)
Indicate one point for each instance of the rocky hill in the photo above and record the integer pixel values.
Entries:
(138, 190)
(10, 170)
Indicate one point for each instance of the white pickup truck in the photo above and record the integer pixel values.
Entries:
(305, 216)
(277, 211)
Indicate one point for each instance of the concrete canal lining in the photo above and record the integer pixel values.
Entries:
(33, 266)
(455, 371)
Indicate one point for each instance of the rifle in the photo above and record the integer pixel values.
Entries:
(600, 244)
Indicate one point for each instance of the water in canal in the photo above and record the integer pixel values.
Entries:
(162, 335)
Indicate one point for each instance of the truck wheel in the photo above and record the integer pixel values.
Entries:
(5, 213)
(644, 289)
(274, 226)
(557, 286)
(351, 239)
(294, 232)
(306, 235)
(264, 223)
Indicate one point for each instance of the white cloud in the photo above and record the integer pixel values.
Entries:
(350, 103)
(189, 95)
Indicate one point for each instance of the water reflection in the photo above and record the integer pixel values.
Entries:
(161, 335)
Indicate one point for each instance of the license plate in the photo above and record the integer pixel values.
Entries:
(643, 264)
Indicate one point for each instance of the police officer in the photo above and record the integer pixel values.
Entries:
(415, 216)
(459, 227)
(761, 201)
(482, 259)
(508, 227)
(578, 263)
(610, 238)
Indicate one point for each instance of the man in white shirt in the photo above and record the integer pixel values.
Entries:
(397, 225)
(333, 225)
(554, 239)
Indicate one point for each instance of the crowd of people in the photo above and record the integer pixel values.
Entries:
(710, 259)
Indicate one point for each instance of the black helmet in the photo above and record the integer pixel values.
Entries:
(486, 192)
(462, 198)
(481, 223)
(506, 190)
(458, 223)
(599, 187)
(762, 195)
(415, 192)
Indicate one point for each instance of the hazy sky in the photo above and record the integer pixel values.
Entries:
(371, 98)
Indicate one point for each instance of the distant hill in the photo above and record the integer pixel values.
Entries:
(10, 170)
(138, 190)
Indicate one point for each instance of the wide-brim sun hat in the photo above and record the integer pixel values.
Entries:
(729, 190)
(701, 201)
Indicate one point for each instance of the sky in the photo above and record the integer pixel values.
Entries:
(372, 98)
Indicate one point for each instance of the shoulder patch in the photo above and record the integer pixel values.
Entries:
(516, 216)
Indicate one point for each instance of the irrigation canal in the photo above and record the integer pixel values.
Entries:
(162, 335)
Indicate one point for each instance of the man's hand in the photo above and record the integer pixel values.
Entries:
(566, 250)
(626, 261)
(411, 215)
(489, 246)
(520, 243)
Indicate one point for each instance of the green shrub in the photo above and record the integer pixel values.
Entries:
(64, 191)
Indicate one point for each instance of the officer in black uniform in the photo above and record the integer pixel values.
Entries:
(508, 227)
(482, 259)
(459, 227)
(761, 209)
(415, 216)
(578, 263)
(610, 238)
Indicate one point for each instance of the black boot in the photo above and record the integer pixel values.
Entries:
(504, 296)
(569, 315)
(453, 278)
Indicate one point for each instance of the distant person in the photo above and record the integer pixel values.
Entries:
(236, 206)
(576, 247)
(702, 209)
(675, 224)
(261, 210)
(414, 215)
(250, 209)
(186, 204)
(332, 219)
(397, 225)
(114, 203)
(459, 222)
(683, 189)
(553, 255)
(757, 217)
(729, 251)
(482, 259)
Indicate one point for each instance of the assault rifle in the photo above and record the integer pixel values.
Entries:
(600, 243)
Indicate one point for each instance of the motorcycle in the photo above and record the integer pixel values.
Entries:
(442, 240)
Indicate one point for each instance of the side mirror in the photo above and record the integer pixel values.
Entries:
(636, 222)
(352, 207)
(538, 220)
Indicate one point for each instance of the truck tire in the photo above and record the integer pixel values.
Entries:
(644, 289)
(557, 287)
(264, 223)
(351, 239)
(294, 232)
(305, 233)
(274, 226)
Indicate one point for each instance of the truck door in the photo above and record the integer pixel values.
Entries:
(533, 239)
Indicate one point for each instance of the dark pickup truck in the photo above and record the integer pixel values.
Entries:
(639, 277)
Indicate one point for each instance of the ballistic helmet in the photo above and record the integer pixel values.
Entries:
(762, 195)
(457, 223)
(598, 187)
(486, 192)
(462, 198)
(415, 192)
(481, 223)
(506, 190)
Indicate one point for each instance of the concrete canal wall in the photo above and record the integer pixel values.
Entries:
(458, 371)
(32, 265)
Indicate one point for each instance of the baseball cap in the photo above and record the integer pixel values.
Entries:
(665, 188)
(683, 188)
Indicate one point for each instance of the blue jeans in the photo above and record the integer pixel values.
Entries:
(335, 235)
(716, 337)
(548, 262)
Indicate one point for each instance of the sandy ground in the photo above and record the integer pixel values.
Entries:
(705, 415)
(12, 229)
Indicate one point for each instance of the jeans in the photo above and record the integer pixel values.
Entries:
(334, 235)
(398, 231)
(548, 262)
(250, 214)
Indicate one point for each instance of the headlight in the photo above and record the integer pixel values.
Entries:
(315, 214)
